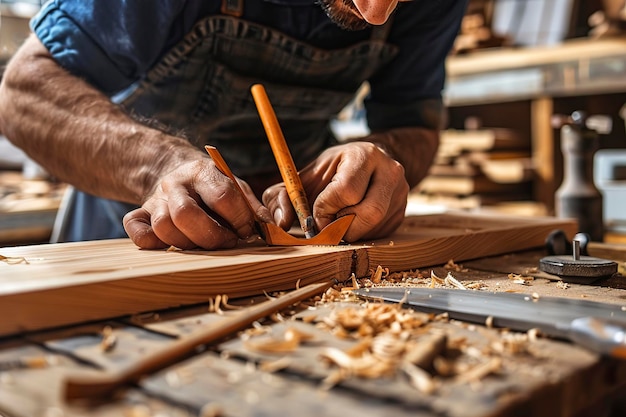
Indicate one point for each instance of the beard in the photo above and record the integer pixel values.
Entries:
(344, 14)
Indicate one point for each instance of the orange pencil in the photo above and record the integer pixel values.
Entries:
(284, 160)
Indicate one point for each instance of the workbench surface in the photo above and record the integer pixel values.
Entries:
(482, 371)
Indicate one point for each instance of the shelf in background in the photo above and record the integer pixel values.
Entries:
(575, 67)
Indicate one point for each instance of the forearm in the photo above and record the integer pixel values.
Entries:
(78, 135)
(413, 147)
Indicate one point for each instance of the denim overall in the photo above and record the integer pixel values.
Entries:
(201, 88)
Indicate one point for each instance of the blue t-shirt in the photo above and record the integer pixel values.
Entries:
(112, 43)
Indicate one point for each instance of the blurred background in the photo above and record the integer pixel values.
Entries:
(519, 71)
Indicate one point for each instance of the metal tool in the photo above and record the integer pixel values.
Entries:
(578, 197)
(274, 235)
(557, 243)
(599, 327)
(578, 266)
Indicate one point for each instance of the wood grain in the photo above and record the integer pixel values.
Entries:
(60, 284)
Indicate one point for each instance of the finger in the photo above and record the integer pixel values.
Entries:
(345, 190)
(277, 200)
(190, 222)
(163, 224)
(262, 212)
(377, 198)
(226, 204)
(137, 226)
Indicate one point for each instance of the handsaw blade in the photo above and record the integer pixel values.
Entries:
(552, 315)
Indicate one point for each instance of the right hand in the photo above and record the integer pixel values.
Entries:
(195, 205)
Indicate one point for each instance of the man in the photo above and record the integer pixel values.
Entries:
(118, 98)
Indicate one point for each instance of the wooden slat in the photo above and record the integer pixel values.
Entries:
(431, 240)
(59, 284)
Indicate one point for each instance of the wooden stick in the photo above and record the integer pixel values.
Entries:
(85, 387)
(284, 160)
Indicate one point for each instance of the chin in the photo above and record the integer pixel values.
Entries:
(344, 14)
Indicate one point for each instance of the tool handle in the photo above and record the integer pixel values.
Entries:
(600, 335)
(284, 160)
(220, 163)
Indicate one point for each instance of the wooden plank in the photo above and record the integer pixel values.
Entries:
(43, 286)
(422, 239)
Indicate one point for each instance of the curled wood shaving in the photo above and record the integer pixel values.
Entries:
(220, 303)
(562, 285)
(450, 280)
(478, 372)
(512, 343)
(228, 306)
(29, 362)
(520, 279)
(453, 266)
(109, 340)
(355, 284)
(434, 279)
(331, 295)
(292, 338)
(379, 274)
(419, 378)
(475, 285)
(13, 260)
(365, 366)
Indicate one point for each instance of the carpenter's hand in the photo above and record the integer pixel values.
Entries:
(194, 206)
(356, 177)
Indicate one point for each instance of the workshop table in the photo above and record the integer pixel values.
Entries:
(503, 373)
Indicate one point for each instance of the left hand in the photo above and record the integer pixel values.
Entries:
(354, 178)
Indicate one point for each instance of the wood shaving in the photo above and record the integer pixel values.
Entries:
(520, 279)
(533, 334)
(455, 267)
(492, 365)
(109, 340)
(13, 260)
(450, 280)
(290, 342)
(29, 362)
(512, 343)
(434, 279)
(475, 285)
(228, 306)
(419, 378)
(355, 284)
(562, 285)
(377, 276)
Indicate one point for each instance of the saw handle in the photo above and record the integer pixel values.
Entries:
(599, 335)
